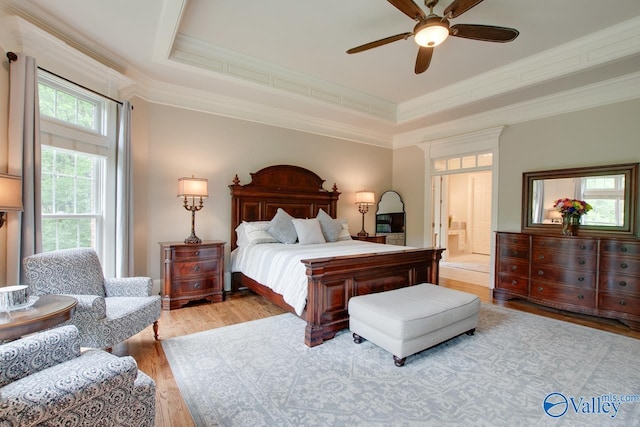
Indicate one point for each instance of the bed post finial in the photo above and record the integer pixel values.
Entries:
(236, 180)
(335, 187)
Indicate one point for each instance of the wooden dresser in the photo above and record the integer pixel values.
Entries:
(191, 272)
(596, 276)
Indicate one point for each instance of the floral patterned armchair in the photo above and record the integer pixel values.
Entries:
(109, 310)
(44, 380)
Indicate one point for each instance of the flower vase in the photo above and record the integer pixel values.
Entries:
(570, 225)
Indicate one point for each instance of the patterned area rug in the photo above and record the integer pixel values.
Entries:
(518, 369)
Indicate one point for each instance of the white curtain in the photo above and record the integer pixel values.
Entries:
(24, 232)
(124, 195)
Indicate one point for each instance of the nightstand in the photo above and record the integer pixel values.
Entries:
(191, 272)
(373, 239)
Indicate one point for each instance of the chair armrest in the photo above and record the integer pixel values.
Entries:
(49, 394)
(128, 287)
(92, 306)
(26, 356)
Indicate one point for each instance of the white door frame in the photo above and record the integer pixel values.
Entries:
(483, 141)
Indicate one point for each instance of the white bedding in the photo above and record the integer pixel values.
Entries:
(278, 266)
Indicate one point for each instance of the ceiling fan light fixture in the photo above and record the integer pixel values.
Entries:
(434, 31)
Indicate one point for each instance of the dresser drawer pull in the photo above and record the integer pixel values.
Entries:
(514, 253)
(583, 247)
(623, 265)
(540, 256)
(197, 268)
(622, 302)
(580, 279)
(197, 253)
(540, 289)
(580, 296)
(540, 272)
(514, 282)
(582, 262)
(196, 285)
(624, 249)
(623, 283)
(514, 267)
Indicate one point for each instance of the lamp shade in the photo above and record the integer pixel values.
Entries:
(10, 193)
(365, 198)
(193, 187)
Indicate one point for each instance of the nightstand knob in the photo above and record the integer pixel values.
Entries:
(623, 283)
(514, 282)
(624, 249)
(580, 296)
(514, 267)
(583, 247)
(622, 302)
(540, 289)
(623, 265)
(196, 285)
(197, 253)
(540, 256)
(196, 268)
(582, 262)
(540, 272)
(580, 279)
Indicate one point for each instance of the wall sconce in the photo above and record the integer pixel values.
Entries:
(364, 199)
(194, 188)
(10, 195)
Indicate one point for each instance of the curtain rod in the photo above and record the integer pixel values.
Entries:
(13, 57)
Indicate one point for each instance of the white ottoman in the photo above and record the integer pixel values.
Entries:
(408, 320)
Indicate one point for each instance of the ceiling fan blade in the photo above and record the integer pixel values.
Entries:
(409, 8)
(424, 59)
(487, 33)
(458, 7)
(380, 42)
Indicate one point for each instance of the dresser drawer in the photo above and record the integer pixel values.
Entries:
(563, 294)
(620, 264)
(563, 243)
(514, 267)
(620, 247)
(612, 282)
(193, 251)
(576, 261)
(506, 239)
(520, 252)
(619, 302)
(581, 279)
(514, 284)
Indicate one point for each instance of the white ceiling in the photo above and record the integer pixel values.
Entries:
(287, 57)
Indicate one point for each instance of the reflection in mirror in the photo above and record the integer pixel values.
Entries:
(610, 190)
(390, 218)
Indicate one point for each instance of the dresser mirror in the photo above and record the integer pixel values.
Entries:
(612, 191)
(390, 218)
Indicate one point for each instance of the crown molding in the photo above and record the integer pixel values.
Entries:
(590, 96)
(192, 99)
(598, 48)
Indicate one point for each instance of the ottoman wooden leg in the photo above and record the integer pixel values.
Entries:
(357, 338)
(399, 362)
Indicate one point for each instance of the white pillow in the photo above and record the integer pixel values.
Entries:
(345, 234)
(309, 231)
(252, 233)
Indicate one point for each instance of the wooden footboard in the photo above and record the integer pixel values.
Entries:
(333, 281)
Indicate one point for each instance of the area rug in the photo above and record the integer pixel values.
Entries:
(518, 369)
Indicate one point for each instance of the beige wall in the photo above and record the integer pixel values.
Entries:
(4, 118)
(598, 136)
(176, 142)
(409, 182)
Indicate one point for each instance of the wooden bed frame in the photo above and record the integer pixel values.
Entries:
(332, 280)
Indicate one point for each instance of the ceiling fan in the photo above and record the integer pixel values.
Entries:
(431, 30)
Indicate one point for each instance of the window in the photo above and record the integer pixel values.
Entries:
(78, 168)
(605, 194)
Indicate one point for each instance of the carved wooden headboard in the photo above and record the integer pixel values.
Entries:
(296, 190)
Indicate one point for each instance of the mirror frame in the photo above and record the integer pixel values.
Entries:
(630, 170)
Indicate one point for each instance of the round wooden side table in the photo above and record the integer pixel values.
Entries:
(47, 312)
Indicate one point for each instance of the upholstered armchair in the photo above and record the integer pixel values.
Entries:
(109, 310)
(45, 380)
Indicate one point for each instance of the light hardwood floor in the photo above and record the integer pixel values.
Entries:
(171, 409)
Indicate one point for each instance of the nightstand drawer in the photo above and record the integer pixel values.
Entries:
(192, 287)
(191, 251)
(192, 268)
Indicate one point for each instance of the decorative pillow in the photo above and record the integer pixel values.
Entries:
(282, 228)
(345, 234)
(330, 227)
(252, 233)
(308, 231)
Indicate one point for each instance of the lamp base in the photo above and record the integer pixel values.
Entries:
(363, 233)
(193, 240)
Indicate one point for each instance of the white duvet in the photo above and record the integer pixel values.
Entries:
(278, 266)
